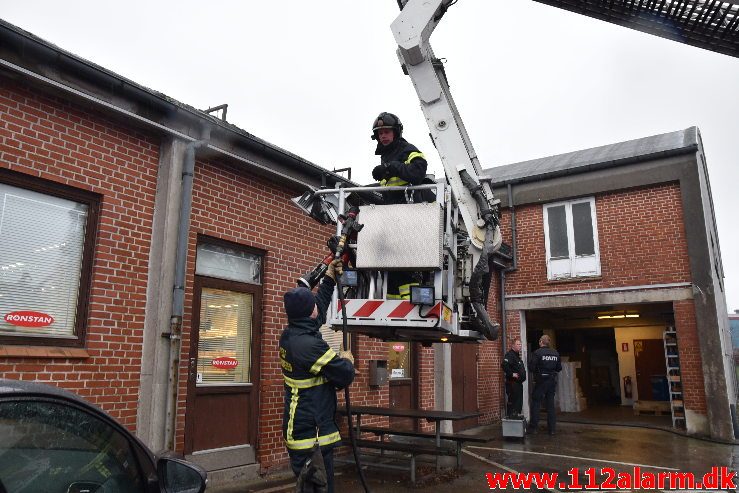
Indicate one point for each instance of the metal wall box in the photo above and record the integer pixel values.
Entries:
(377, 372)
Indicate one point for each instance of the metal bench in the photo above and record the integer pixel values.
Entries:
(423, 444)
(413, 450)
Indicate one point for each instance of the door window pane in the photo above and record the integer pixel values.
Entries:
(224, 344)
(399, 360)
(557, 232)
(41, 245)
(582, 223)
(228, 263)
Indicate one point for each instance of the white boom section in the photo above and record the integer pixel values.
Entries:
(412, 30)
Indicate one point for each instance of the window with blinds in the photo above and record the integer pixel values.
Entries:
(41, 246)
(224, 337)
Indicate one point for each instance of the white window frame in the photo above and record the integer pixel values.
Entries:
(561, 271)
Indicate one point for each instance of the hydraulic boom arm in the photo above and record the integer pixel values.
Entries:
(412, 30)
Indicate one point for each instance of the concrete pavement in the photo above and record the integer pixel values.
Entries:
(575, 446)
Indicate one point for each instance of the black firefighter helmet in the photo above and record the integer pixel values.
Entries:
(387, 120)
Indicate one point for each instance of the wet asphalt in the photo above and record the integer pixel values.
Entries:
(621, 448)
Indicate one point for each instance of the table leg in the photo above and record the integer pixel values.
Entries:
(438, 443)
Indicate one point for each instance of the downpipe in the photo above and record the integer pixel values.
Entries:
(178, 302)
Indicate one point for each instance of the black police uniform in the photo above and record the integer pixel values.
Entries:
(512, 363)
(545, 366)
(313, 372)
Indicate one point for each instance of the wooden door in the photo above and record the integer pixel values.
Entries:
(464, 383)
(649, 360)
(402, 381)
(222, 397)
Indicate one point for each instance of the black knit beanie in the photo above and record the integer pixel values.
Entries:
(299, 303)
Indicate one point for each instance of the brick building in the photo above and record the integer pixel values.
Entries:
(615, 246)
(91, 173)
(91, 168)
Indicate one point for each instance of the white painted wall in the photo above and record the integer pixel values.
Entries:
(626, 364)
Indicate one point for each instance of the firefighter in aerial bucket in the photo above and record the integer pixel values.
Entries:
(401, 164)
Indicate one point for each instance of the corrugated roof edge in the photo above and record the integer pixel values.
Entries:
(611, 155)
(167, 99)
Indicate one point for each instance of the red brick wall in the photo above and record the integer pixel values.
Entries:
(255, 212)
(426, 380)
(642, 241)
(641, 237)
(489, 372)
(57, 141)
(691, 365)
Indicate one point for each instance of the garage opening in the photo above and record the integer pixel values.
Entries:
(620, 363)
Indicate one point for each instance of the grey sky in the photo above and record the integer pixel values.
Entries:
(529, 80)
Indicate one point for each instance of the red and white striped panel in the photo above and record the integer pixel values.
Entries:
(396, 309)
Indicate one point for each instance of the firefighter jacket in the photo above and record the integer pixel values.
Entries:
(512, 363)
(312, 372)
(406, 165)
(545, 363)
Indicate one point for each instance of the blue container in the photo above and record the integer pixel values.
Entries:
(660, 390)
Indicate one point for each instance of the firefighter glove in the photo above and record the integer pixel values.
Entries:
(347, 355)
(379, 172)
(334, 268)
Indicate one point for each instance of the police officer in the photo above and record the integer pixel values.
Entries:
(312, 372)
(545, 365)
(515, 376)
(401, 164)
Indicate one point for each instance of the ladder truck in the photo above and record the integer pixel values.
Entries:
(451, 241)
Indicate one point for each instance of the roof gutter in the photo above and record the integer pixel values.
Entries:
(611, 163)
(170, 131)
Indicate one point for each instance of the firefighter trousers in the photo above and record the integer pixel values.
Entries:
(299, 457)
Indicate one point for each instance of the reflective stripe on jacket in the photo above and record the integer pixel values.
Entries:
(396, 181)
(312, 373)
(406, 166)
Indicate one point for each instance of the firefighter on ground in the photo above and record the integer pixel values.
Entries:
(545, 365)
(401, 164)
(515, 376)
(313, 372)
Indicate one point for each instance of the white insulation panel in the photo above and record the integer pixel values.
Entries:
(400, 237)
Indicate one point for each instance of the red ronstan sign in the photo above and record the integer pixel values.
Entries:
(224, 362)
(29, 319)
(398, 347)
